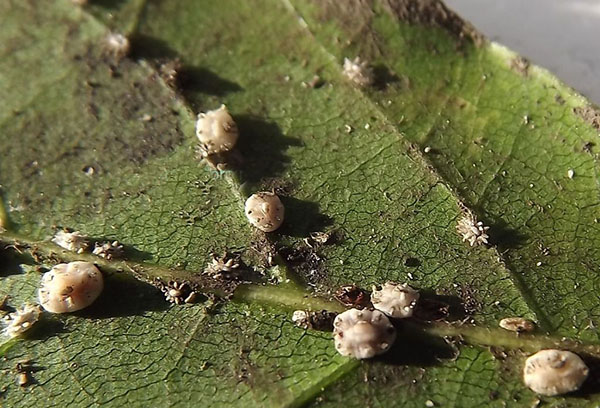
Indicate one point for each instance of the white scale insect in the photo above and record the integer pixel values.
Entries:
(472, 231)
(70, 287)
(118, 45)
(72, 241)
(554, 372)
(21, 320)
(265, 211)
(216, 131)
(395, 300)
(358, 71)
(363, 333)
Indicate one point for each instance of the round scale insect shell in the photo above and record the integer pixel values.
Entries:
(216, 131)
(265, 211)
(554, 372)
(70, 287)
(363, 333)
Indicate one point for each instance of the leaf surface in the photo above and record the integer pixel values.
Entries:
(501, 141)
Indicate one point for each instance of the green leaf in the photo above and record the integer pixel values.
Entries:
(453, 125)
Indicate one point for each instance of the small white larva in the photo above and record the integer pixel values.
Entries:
(554, 372)
(72, 241)
(265, 211)
(472, 231)
(21, 320)
(70, 287)
(109, 250)
(395, 300)
(118, 45)
(216, 131)
(358, 71)
(362, 333)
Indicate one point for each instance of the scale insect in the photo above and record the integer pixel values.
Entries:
(21, 320)
(554, 372)
(358, 71)
(472, 231)
(363, 333)
(395, 299)
(70, 287)
(217, 131)
(265, 211)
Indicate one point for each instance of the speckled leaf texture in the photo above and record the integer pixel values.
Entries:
(453, 123)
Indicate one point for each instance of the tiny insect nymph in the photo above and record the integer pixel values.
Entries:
(472, 231)
(358, 71)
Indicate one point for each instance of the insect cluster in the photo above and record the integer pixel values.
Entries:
(362, 332)
(365, 330)
(65, 288)
(77, 242)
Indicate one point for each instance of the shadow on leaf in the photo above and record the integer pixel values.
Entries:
(150, 48)
(46, 327)
(433, 307)
(192, 81)
(592, 384)
(383, 77)
(124, 296)
(302, 217)
(11, 261)
(414, 350)
(262, 149)
(108, 4)
(504, 237)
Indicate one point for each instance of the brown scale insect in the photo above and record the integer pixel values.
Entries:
(353, 296)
